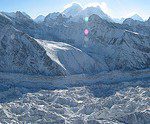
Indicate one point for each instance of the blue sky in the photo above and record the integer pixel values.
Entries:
(114, 8)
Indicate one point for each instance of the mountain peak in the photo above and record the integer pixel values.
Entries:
(52, 15)
(17, 14)
(22, 15)
(137, 17)
(76, 5)
(95, 10)
(39, 19)
(73, 10)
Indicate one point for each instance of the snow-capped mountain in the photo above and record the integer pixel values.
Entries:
(39, 19)
(78, 13)
(132, 22)
(106, 41)
(87, 12)
(138, 26)
(72, 10)
(124, 47)
(27, 56)
(52, 16)
(136, 17)
(55, 19)
(18, 14)
(20, 53)
(27, 25)
(114, 45)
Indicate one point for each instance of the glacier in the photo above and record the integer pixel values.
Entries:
(78, 105)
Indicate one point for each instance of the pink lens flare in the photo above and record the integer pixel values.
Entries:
(86, 32)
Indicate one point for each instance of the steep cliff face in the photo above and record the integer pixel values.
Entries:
(4, 20)
(125, 49)
(21, 53)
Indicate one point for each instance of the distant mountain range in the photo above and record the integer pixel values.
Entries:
(77, 12)
(135, 17)
(124, 45)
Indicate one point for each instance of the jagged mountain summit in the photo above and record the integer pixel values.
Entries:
(78, 13)
(72, 10)
(137, 22)
(27, 25)
(138, 26)
(132, 22)
(136, 17)
(94, 10)
(52, 16)
(39, 19)
(17, 14)
(55, 19)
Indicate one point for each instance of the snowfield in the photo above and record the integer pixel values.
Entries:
(72, 59)
(79, 106)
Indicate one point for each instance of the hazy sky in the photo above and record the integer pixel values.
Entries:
(114, 8)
